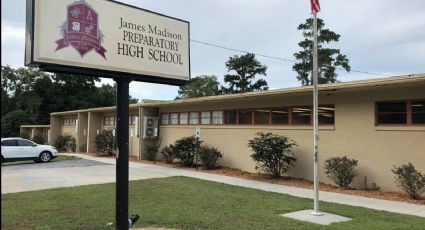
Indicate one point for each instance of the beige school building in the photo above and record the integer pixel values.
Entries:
(379, 122)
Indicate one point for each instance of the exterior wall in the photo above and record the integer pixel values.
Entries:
(55, 128)
(94, 125)
(82, 132)
(133, 139)
(378, 148)
(145, 112)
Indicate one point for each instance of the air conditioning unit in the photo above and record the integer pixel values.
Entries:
(150, 127)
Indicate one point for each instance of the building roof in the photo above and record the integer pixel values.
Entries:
(351, 85)
(35, 126)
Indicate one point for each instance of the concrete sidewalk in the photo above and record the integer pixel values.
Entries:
(372, 203)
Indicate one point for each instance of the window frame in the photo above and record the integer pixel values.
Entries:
(408, 113)
(269, 110)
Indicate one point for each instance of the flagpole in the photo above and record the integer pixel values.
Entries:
(316, 211)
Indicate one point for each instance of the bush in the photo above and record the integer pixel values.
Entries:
(185, 150)
(152, 148)
(272, 153)
(409, 180)
(65, 143)
(340, 170)
(209, 156)
(39, 139)
(105, 142)
(168, 154)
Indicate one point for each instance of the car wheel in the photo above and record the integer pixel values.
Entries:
(45, 157)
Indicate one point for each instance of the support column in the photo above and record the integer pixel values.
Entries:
(122, 154)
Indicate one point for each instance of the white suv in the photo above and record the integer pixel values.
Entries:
(17, 149)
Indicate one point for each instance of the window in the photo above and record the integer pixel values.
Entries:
(132, 119)
(262, 117)
(9, 143)
(230, 117)
(217, 117)
(280, 116)
(193, 118)
(392, 113)
(418, 112)
(184, 118)
(205, 118)
(69, 122)
(25, 143)
(165, 118)
(326, 114)
(301, 115)
(174, 118)
(245, 117)
(109, 120)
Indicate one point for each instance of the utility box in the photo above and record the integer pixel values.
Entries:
(150, 127)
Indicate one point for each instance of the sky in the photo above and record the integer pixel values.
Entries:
(385, 37)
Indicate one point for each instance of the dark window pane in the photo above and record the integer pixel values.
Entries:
(262, 116)
(301, 115)
(245, 117)
(9, 143)
(392, 118)
(280, 116)
(230, 116)
(392, 107)
(392, 113)
(24, 143)
(326, 115)
(418, 112)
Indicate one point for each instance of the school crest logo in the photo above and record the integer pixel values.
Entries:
(81, 30)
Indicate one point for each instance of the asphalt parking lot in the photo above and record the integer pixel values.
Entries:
(36, 176)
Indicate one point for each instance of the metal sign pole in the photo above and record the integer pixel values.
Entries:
(121, 208)
(315, 120)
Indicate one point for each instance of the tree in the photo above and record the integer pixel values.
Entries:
(201, 86)
(273, 153)
(11, 123)
(328, 59)
(246, 68)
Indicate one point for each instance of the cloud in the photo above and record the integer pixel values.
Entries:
(13, 45)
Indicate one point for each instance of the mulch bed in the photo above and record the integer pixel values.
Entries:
(289, 181)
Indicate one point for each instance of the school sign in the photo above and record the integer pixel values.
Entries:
(107, 39)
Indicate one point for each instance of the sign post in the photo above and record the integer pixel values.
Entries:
(109, 39)
(121, 208)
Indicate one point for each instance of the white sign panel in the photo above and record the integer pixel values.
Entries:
(198, 132)
(88, 36)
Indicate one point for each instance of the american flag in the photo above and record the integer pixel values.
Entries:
(315, 6)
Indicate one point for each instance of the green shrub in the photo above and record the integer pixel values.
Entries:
(409, 180)
(209, 156)
(340, 170)
(168, 154)
(105, 142)
(185, 149)
(39, 139)
(152, 148)
(65, 143)
(272, 153)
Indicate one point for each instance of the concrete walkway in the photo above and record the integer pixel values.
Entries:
(372, 203)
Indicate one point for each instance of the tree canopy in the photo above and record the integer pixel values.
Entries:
(242, 72)
(38, 93)
(328, 59)
(200, 86)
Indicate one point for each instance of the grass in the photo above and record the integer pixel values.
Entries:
(58, 158)
(184, 203)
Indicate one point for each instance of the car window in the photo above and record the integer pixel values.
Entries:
(25, 143)
(9, 143)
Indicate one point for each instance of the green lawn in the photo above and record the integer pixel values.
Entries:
(58, 158)
(181, 202)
